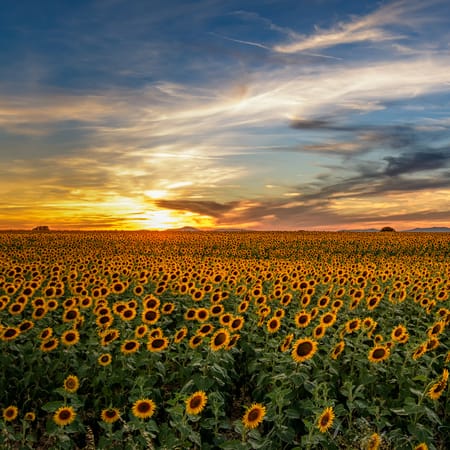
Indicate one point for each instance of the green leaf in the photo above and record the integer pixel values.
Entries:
(52, 406)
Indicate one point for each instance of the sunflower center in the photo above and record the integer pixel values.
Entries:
(220, 339)
(253, 415)
(304, 349)
(64, 414)
(70, 337)
(144, 407)
(324, 420)
(110, 413)
(195, 402)
(379, 353)
(9, 413)
(10, 333)
(157, 343)
(130, 345)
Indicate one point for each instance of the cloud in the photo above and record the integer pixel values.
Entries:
(370, 28)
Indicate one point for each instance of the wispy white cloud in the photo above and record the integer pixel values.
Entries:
(373, 27)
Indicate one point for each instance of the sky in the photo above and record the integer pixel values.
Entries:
(240, 114)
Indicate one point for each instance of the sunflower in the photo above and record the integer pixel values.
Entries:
(70, 337)
(140, 331)
(225, 319)
(151, 302)
(110, 415)
(64, 415)
(202, 314)
(323, 302)
(284, 347)
(273, 325)
(104, 359)
(128, 314)
(352, 325)
(143, 408)
(196, 403)
(325, 421)
(337, 305)
(130, 346)
(86, 302)
(190, 314)
(26, 325)
(220, 339)
(421, 446)
(233, 340)
(195, 341)
(303, 349)
(328, 319)
(10, 413)
(49, 344)
(168, 308)
(243, 306)
(373, 302)
(155, 333)
(104, 321)
(157, 344)
(254, 415)
(205, 329)
(398, 333)
(379, 353)
(70, 314)
(374, 442)
(71, 384)
(337, 350)
(39, 313)
(180, 335)
(237, 323)
(216, 310)
(150, 316)
(302, 319)
(319, 332)
(109, 336)
(436, 329)
(10, 333)
(30, 416)
(419, 352)
(16, 309)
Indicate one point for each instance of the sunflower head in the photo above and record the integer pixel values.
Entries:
(110, 415)
(303, 349)
(71, 384)
(143, 408)
(196, 403)
(10, 413)
(64, 415)
(254, 415)
(326, 419)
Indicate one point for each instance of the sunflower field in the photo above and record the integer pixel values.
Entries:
(224, 340)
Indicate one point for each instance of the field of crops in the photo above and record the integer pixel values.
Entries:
(172, 340)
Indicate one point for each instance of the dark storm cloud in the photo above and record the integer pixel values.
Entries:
(416, 162)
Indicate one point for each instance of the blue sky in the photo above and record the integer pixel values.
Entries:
(283, 115)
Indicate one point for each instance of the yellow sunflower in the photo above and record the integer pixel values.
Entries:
(219, 339)
(70, 337)
(196, 403)
(105, 359)
(157, 344)
(326, 419)
(254, 415)
(379, 353)
(71, 384)
(64, 415)
(143, 408)
(303, 349)
(110, 415)
(10, 413)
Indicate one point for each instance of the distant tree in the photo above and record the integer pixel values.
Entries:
(387, 229)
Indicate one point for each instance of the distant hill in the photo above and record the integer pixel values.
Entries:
(189, 229)
(430, 230)
(413, 230)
